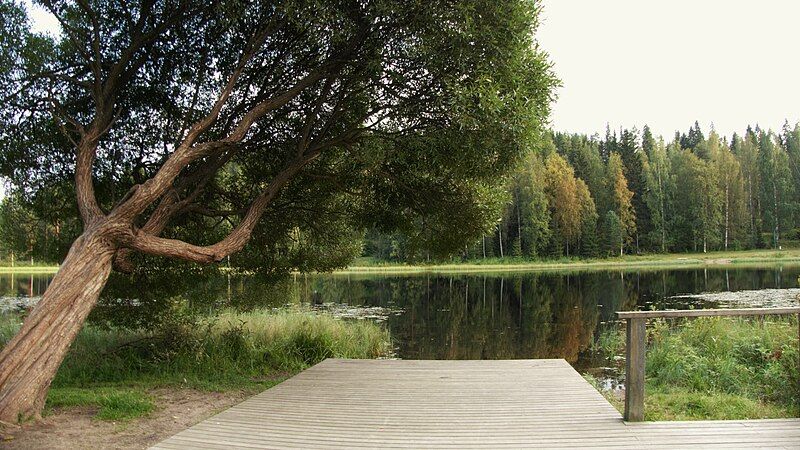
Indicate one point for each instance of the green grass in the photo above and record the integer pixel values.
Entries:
(113, 404)
(678, 404)
(717, 368)
(26, 269)
(113, 369)
(742, 258)
(710, 259)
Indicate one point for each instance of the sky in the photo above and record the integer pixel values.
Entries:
(663, 63)
(668, 63)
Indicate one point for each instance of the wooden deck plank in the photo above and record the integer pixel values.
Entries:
(455, 404)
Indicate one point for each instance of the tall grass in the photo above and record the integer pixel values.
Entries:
(111, 368)
(752, 358)
(717, 368)
(226, 350)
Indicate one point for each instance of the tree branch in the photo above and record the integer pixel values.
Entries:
(234, 242)
(156, 186)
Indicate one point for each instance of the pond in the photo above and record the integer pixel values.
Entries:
(472, 316)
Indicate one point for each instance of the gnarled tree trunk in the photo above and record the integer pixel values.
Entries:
(30, 360)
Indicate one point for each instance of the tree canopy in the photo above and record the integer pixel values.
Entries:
(188, 129)
(291, 123)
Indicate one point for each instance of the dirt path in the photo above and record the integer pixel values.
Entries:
(75, 428)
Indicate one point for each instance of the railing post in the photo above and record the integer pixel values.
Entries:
(634, 369)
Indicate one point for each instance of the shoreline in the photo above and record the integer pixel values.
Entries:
(745, 258)
(26, 270)
(721, 259)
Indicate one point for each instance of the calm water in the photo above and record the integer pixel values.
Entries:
(468, 316)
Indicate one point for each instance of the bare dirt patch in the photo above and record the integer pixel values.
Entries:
(75, 428)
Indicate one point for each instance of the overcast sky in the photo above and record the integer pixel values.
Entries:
(664, 63)
(669, 63)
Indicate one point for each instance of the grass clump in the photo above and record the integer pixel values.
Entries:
(717, 368)
(113, 404)
(731, 356)
(292, 341)
(230, 350)
(113, 369)
(680, 404)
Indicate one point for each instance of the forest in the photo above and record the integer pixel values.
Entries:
(630, 192)
(627, 192)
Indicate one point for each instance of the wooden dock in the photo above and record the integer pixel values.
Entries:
(456, 404)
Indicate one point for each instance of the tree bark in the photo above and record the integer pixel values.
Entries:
(500, 238)
(727, 212)
(776, 232)
(30, 360)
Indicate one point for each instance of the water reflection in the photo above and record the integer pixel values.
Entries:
(450, 316)
(24, 285)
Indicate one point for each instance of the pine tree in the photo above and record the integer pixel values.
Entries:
(621, 199)
(693, 138)
(608, 145)
(634, 161)
(588, 232)
(648, 142)
(614, 233)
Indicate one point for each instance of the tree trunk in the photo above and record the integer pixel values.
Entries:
(663, 214)
(500, 238)
(30, 360)
(519, 229)
(753, 233)
(775, 233)
(727, 215)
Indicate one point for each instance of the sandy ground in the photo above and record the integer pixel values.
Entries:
(176, 410)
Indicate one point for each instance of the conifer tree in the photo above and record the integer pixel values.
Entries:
(614, 234)
(621, 199)
(634, 161)
(588, 232)
(693, 138)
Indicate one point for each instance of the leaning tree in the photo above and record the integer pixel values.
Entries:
(223, 122)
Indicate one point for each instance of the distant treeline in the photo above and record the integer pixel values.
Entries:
(630, 192)
(576, 195)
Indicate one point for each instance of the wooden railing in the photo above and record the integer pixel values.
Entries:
(636, 346)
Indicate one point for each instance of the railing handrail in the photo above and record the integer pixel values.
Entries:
(636, 346)
(708, 312)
